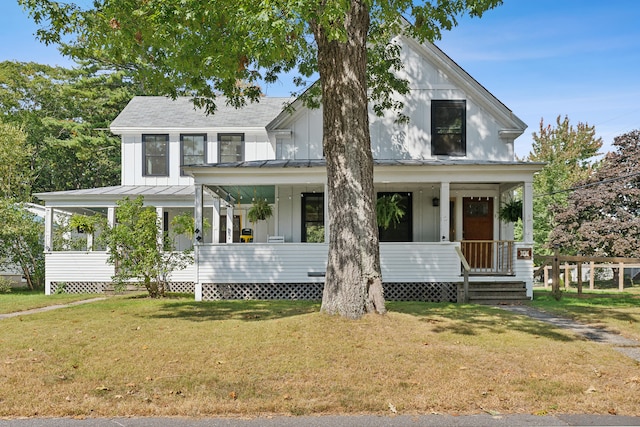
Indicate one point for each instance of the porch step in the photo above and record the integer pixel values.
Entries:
(491, 293)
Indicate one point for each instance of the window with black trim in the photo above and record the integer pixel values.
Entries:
(448, 128)
(155, 152)
(313, 217)
(231, 147)
(193, 150)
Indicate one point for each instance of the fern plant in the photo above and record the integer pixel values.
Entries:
(511, 211)
(389, 210)
(260, 210)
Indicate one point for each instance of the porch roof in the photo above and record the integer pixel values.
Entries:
(290, 163)
(109, 195)
(274, 172)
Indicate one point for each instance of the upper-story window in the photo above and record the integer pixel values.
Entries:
(193, 149)
(231, 147)
(155, 152)
(448, 128)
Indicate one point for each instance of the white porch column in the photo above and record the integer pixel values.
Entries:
(89, 242)
(111, 216)
(160, 220)
(444, 211)
(327, 224)
(276, 213)
(48, 243)
(527, 212)
(215, 221)
(48, 229)
(230, 224)
(197, 215)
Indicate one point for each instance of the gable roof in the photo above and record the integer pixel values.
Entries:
(160, 112)
(513, 125)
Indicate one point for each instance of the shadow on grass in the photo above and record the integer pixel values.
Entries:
(253, 310)
(451, 318)
(601, 305)
(470, 319)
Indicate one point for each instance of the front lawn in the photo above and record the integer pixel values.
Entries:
(177, 357)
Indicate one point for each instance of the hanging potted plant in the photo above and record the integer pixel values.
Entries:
(511, 211)
(83, 223)
(389, 210)
(260, 210)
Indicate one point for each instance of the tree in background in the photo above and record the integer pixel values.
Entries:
(602, 215)
(206, 48)
(20, 231)
(21, 243)
(16, 177)
(65, 115)
(140, 250)
(568, 153)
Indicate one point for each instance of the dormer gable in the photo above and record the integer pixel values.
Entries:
(450, 115)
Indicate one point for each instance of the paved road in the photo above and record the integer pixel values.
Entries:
(340, 421)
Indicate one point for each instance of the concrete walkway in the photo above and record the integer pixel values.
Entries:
(48, 308)
(626, 346)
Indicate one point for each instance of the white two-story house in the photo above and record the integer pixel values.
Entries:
(453, 164)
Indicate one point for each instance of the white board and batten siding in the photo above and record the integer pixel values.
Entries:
(76, 267)
(301, 263)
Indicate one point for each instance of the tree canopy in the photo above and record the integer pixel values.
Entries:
(65, 114)
(15, 156)
(568, 152)
(205, 49)
(602, 214)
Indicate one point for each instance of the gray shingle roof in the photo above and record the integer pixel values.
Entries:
(163, 112)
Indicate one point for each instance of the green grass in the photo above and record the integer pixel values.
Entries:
(616, 311)
(130, 356)
(24, 299)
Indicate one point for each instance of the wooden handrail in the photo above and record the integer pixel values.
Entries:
(467, 268)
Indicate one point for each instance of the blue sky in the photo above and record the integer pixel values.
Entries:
(542, 58)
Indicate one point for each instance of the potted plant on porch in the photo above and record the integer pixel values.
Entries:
(389, 210)
(260, 210)
(511, 211)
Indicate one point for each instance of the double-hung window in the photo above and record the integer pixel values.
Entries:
(448, 128)
(231, 147)
(193, 149)
(155, 152)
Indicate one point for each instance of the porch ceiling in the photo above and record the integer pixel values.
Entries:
(245, 194)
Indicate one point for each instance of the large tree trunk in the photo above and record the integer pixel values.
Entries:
(353, 284)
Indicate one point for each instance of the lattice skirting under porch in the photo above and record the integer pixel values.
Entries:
(102, 287)
(400, 291)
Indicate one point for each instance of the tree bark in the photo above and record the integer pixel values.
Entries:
(353, 284)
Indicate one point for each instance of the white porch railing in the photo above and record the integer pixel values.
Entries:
(489, 256)
(305, 262)
(424, 262)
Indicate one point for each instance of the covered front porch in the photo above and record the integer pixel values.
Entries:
(449, 205)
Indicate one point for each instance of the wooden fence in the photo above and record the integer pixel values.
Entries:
(554, 264)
